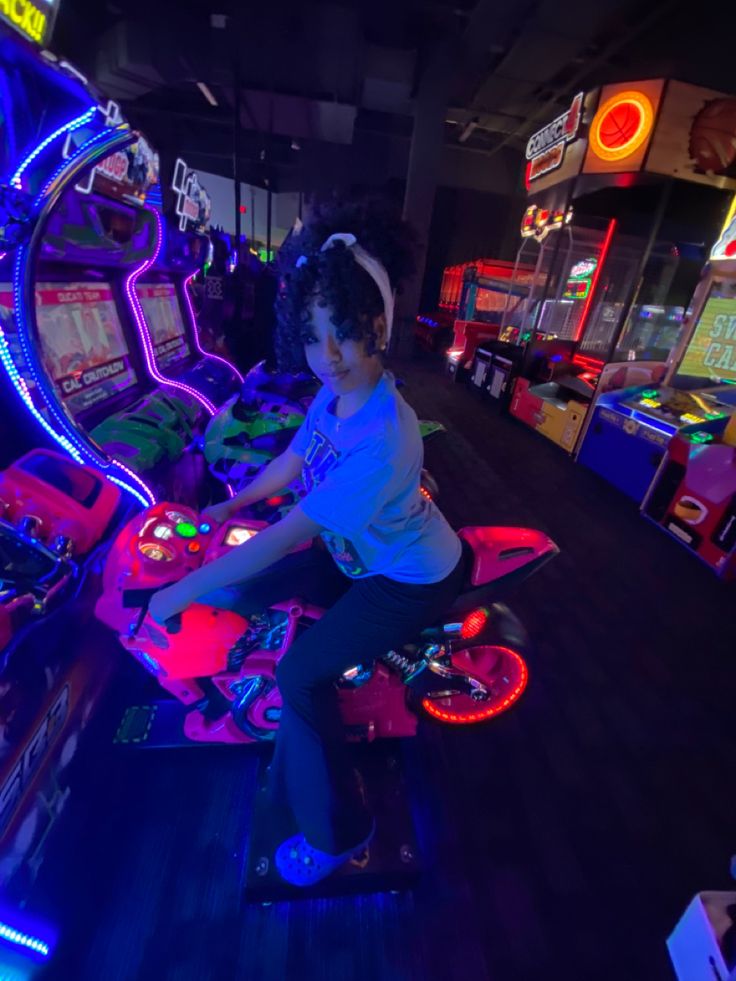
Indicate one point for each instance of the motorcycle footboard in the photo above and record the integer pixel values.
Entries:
(155, 725)
(389, 863)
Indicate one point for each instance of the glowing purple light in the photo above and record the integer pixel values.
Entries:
(67, 127)
(143, 330)
(193, 320)
(77, 451)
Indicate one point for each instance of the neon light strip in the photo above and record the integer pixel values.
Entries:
(67, 127)
(143, 330)
(77, 450)
(84, 148)
(594, 279)
(205, 354)
(229, 487)
(150, 497)
(650, 423)
(592, 364)
(21, 939)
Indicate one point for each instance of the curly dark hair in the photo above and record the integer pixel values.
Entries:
(334, 278)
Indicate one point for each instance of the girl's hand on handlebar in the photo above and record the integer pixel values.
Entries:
(219, 513)
(166, 603)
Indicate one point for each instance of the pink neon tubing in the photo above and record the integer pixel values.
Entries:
(143, 328)
(193, 321)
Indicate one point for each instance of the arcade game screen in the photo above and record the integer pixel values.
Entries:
(161, 309)
(712, 348)
(83, 343)
(238, 534)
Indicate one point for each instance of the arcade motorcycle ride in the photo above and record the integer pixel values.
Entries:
(466, 668)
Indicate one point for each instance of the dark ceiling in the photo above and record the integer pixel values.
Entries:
(326, 90)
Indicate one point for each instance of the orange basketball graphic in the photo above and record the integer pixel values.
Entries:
(621, 126)
(713, 136)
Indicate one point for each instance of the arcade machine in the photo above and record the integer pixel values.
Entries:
(434, 331)
(572, 332)
(58, 503)
(497, 362)
(631, 427)
(88, 327)
(693, 494)
(488, 286)
(164, 294)
(616, 165)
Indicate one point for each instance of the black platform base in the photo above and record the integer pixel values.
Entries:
(390, 863)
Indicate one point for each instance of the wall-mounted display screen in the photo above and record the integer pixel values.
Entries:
(163, 316)
(82, 342)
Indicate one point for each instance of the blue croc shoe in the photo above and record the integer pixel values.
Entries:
(302, 865)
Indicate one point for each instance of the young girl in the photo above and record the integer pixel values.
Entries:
(391, 563)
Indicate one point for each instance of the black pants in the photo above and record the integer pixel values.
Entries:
(311, 769)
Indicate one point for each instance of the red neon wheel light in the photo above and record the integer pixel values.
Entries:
(501, 670)
(621, 126)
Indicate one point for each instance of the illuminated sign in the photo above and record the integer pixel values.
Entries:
(127, 174)
(725, 247)
(193, 203)
(545, 150)
(712, 349)
(539, 222)
(621, 125)
(583, 269)
(576, 289)
(580, 279)
(31, 18)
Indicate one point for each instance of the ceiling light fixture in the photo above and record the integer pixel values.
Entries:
(207, 93)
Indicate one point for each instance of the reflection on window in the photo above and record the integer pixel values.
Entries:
(651, 332)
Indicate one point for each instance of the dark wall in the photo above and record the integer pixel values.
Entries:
(469, 225)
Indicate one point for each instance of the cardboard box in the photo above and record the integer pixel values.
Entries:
(695, 944)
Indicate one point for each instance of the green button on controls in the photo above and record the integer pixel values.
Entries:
(186, 529)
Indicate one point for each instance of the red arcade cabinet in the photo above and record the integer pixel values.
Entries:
(492, 291)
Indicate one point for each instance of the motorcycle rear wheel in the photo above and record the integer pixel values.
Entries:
(502, 672)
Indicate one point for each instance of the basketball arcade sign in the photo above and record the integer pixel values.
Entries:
(545, 150)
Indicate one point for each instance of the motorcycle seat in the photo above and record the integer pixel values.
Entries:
(496, 558)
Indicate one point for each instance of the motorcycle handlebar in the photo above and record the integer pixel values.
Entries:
(140, 599)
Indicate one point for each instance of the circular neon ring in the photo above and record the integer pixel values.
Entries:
(646, 120)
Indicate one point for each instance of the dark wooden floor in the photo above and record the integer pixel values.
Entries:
(561, 841)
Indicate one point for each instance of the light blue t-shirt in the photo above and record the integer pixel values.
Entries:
(362, 479)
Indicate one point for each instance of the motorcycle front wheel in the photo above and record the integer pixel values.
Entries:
(502, 674)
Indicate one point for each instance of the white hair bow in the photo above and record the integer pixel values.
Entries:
(375, 269)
